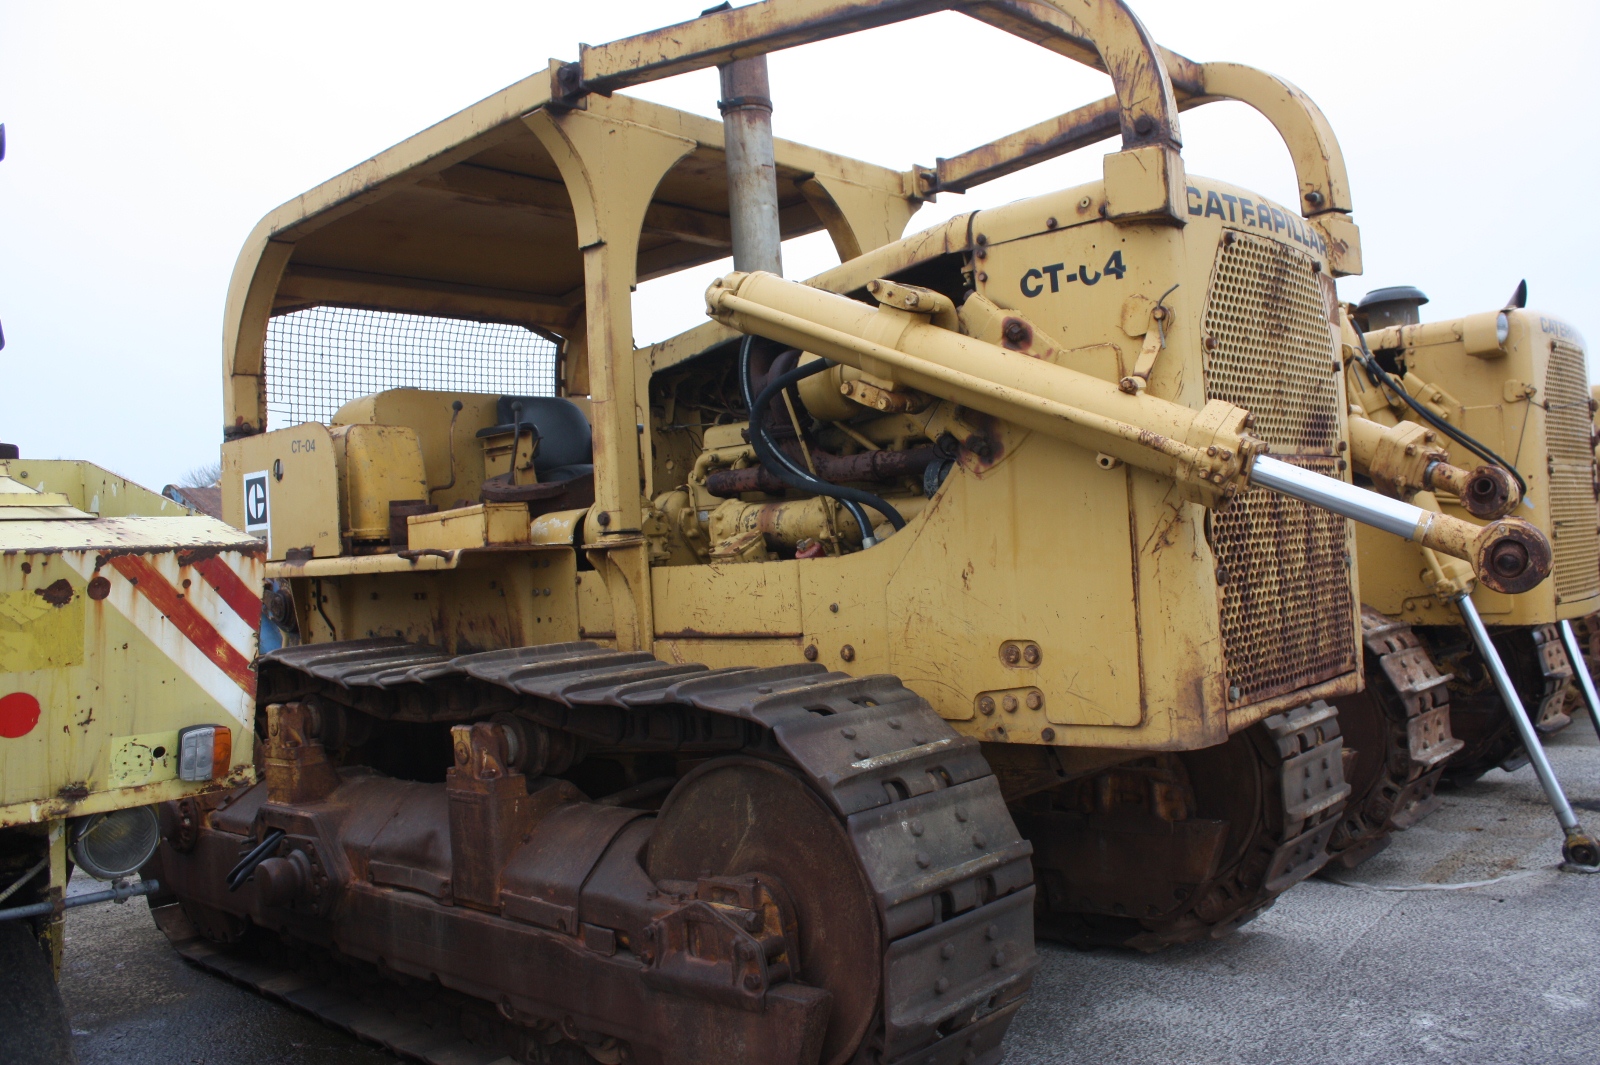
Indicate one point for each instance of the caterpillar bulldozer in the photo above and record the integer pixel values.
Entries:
(1511, 381)
(1507, 387)
(755, 695)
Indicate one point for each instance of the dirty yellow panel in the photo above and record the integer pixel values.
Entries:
(113, 689)
(990, 565)
(303, 501)
(595, 621)
(748, 599)
(143, 759)
(41, 628)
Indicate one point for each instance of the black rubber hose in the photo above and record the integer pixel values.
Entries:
(258, 854)
(785, 468)
(1380, 376)
(774, 459)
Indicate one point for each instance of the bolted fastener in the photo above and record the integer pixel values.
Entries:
(1010, 654)
(847, 653)
(810, 652)
(1035, 700)
(986, 705)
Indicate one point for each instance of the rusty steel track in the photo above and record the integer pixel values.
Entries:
(1538, 667)
(1176, 848)
(946, 879)
(1397, 738)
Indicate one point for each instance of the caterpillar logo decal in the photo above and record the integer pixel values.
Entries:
(1256, 214)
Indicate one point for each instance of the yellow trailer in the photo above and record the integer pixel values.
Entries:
(127, 631)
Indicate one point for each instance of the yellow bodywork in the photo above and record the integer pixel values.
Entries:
(1524, 397)
(544, 204)
(114, 677)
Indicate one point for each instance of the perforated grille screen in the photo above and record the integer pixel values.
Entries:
(1287, 603)
(1576, 565)
(318, 360)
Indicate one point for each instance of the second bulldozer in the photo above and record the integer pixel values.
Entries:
(1510, 384)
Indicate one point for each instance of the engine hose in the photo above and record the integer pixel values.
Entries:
(779, 464)
(260, 853)
(1380, 376)
(782, 466)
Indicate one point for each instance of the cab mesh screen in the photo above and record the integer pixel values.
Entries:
(317, 360)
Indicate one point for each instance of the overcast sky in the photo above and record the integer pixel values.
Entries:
(145, 140)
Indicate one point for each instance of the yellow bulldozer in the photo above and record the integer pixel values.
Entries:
(1507, 388)
(756, 695)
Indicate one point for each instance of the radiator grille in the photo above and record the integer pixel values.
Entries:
(1576, 565)
(1287, 602)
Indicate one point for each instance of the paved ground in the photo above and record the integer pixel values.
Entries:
(1353, 972)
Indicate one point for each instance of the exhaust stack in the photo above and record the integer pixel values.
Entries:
(746, 107)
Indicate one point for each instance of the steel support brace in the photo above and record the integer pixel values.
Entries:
(1579, 849)
(1580, 670)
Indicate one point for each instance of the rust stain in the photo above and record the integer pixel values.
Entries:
(1162, 535)
(74, 792)
(56, 594)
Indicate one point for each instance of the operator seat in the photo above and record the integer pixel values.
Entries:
(563, 461)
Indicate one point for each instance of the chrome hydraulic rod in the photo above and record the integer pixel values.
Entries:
(1579, 848)
(1508, 555)
(1369, 508)
(1580, 670)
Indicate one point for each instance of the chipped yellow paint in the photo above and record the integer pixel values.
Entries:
(143, 759)
(37, 635)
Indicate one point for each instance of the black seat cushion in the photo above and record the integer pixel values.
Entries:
(565, 438)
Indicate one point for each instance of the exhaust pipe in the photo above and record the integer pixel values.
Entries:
(746, 107)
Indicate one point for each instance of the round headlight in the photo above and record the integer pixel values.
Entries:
(1502, 327)
(107, 846)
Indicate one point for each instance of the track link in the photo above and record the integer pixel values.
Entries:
(951, 877)
(1541, 674)
(1256, 816)
(1397, 739)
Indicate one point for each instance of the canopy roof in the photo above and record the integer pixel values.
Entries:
(471, 217)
